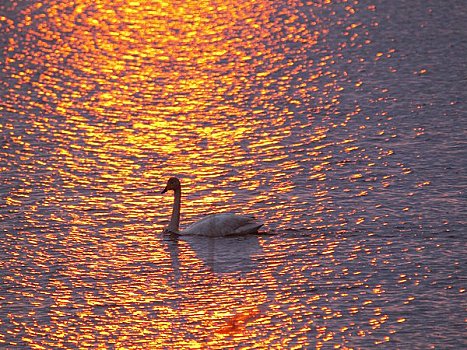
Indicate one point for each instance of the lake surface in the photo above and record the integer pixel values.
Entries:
(340, 124)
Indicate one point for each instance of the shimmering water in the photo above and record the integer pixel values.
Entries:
(340, 124)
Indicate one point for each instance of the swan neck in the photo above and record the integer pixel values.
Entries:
(175, 219)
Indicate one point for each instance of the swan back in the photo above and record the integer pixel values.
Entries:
(223, 224)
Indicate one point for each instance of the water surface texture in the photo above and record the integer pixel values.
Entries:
(340, 124)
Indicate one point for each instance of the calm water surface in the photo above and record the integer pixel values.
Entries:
(340, 124)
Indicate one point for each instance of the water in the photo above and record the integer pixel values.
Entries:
(341, 124)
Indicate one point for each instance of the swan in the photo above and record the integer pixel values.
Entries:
(213, 225)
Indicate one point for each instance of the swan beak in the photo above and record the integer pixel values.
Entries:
(164, 190)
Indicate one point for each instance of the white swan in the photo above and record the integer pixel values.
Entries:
(212, 225)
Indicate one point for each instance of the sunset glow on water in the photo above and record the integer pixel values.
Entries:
(336, 123)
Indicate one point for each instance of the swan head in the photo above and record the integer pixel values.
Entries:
(173, 184)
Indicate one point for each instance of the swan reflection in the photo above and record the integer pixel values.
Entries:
(227, 254)
(220, 254)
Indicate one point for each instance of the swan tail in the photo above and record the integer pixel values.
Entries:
(249, 228)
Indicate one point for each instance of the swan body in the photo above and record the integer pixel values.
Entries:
(215, 225)
(223, 225)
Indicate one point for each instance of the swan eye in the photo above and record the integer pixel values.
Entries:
(171, 184)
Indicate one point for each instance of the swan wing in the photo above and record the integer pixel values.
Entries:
(224, 224)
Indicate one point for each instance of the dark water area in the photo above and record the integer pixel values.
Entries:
(340, 124)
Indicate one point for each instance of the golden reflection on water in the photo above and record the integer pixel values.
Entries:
(130, 80)
(120, 95)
